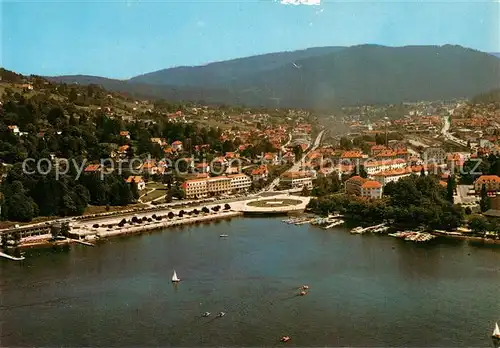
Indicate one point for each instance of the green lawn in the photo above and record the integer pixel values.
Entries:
(275, 202)
(153, 195)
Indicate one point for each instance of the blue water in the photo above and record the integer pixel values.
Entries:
(365, 290)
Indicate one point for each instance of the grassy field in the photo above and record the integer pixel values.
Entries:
(153, 195)
(275, 202)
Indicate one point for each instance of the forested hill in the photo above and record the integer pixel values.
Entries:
(325, 78)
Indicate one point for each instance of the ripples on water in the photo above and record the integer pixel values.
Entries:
(365, 290)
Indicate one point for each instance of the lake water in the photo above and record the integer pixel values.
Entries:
(364, 290)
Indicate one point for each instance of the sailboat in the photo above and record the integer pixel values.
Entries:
(174, 278)
(496, 332)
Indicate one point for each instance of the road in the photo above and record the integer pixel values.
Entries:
(296, 166)
(447, 135)
(463, 197)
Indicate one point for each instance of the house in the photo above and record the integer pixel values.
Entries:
(14, 129)
(159, 141)
(353, 185)
(177, 145)
(363, 187)
(371, 189)
(125, 134)
(296, 180)
(138, 180)
(259, 173)
(123, 151)
(202, 167)
(491, 183)
(92, 168)
(270, 158)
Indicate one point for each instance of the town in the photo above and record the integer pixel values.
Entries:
(140, 154)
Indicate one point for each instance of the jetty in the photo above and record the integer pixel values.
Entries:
(334, 223)
(413, 236)
(10, 257)
(375, 228)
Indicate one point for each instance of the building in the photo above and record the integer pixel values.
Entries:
(296, 180)
(195, 188)
(138, 180)
(491, 183)
(391, 176)
(353, 185)
(218, 185)
(260, 173)
(177, 145)
(125, 134)
(371, 189)
(363, 187)
(240, 182)
(14, 129)
(434, 155)
(372, 167)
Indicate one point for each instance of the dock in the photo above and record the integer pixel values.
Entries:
(82, 242)
(10, 257)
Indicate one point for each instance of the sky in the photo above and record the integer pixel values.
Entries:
(122, 39)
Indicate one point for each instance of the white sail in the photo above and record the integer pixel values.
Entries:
(496, 332)
(174, 277)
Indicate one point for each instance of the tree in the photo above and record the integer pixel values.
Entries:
(168, 196)
(478, 224)
(297, 151)
(484, 203)
(450, 188)
(305, 191)
(65, 229)
(345, 143)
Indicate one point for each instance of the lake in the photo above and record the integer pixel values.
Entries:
(365, 290)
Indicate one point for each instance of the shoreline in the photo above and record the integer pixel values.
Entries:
(100, 233)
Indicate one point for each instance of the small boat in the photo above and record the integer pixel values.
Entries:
(305, 287)
(223, 235)
(175, 279)
(496, 332)
(302, 293)
(206, 314)
(285, 339)
(221, 314)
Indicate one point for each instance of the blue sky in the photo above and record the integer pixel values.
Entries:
(121, 39)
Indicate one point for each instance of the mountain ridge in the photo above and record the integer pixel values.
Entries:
(322, 77)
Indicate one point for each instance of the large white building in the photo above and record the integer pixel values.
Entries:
(240, 182)
(372, 167)
(296, 180)
(199, 188)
